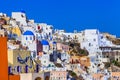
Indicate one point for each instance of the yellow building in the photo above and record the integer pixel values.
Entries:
(16, 30)
(21, 59)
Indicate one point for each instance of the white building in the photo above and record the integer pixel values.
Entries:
(28, 40)
(104, 41)
(46, 30)
(3, 14)
(20, 17)
(45, 59)
(66, 57)
(45, 45)
(91, 40)
(60, 31)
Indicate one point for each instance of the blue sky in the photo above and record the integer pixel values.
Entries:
(70, 14)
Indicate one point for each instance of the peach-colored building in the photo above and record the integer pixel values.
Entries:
(102, 76)
(63, 47)
(115, 76)
(34, 76)
(58, 75)
(98, 76)
(40, 53)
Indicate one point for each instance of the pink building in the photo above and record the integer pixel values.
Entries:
(63, 47)
(58, 75)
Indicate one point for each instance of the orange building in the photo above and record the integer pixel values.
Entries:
(3, 59)
(14, 77)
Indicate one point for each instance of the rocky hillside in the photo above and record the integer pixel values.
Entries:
(112, 38)
(76, 50)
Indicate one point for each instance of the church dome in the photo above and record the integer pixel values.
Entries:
(45, 42)
(54, 42)
(28, 33)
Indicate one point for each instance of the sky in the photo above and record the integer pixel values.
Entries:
(70, 15)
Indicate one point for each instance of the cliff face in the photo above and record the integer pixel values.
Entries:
(76, 50)
(112, 38)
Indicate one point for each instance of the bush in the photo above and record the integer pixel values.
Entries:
(73, 74)
(107, 65)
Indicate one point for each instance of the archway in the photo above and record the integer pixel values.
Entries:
(47, 78)
(38, 78)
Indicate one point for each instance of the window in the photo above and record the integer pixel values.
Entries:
(49, 33)
(44, 61)
(68, 35)
(10, 69)
(96, 32)
(51, 27)
(36, 35)
(22, 16)
(83, 39)
(30, 38)
(89, 44)
(101, 37)
(26, 38)
(46, 47)
(38, 27)
(94, 39)
(59, 78)
(38, 78)
(117, 59)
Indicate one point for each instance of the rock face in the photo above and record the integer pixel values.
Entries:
(112, 38)
(76, 50)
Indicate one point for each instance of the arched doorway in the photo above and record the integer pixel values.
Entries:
(47, 78)
(38, 78)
